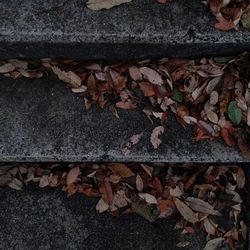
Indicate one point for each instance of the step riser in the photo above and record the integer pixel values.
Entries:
(141, 29)
(109, 51)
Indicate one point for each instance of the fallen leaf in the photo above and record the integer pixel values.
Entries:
(148, 198)
(72, 175)
(69, 77)
(185, 211)
(240, 178)
(15, 184)
(104, 4)
(235, 114)
(139, 183)
(166, 208)
(147, 88)
(201, 206)
(135, 73)
(121, 169)
(209, 226)
(44, 181)
(151, 75)
(154, 139)
(214, 244)
(102, 206)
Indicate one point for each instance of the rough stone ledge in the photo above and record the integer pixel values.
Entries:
(41, 120)
(143, 28)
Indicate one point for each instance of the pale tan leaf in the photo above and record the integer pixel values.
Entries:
(72, 175)
(176, 192)
(104, 4)
(135, 73)
(209, 226)
(212, 84)
(214, 97)
(185, 211)
(81, 89)
(154, 139)
(44, 181)
(15, 184)
(151, 75)
(149, 198)
(120, 199)
(19, 63)
(212, 116)
(102, 206)
(240, 178)
(199, 205)
(214, 244)
(244, 230)
(147, 169)
(6, 68)
(139, 183)
(189, 119)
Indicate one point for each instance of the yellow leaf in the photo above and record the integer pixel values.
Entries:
(121, 169)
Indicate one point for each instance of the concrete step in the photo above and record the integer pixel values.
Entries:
(42, 120)
(141, 29)
(45, 218)
(48, 219)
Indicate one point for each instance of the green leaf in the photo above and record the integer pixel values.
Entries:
(222, 59)
(177, 95)
(235, 114)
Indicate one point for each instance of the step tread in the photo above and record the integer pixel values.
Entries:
(43, 28)
(48, 219)
(42, 120)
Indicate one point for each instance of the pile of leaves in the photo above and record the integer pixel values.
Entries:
(213, 95)
(229, 13)
(211, 198)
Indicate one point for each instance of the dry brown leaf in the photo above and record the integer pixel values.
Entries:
(69, 77)
(5, 179)
(121, 169)
(166, 208)
(147, 88)
(126, 105)
(106, 191)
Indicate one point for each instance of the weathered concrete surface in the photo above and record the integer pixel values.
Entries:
(143, 28)
(47, 219)
(42, 120)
